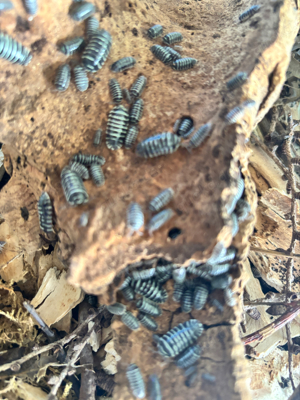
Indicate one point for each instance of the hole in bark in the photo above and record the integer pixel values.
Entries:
(22, 25)
(24, 213)
(49, 250)
(32, 119)
(134, 32)
(4, 180)
(174, 232)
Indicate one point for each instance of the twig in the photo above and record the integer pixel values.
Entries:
(11, 260)
(58, 343)
(45, 328)
(278, 253)
(290, 353)
(273, 122)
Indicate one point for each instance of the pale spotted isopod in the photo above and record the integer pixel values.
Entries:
(179, 275)
(173, 37)
(138, 86)
(31, 6)
(178, 290)
(88, 159)
(70, 46)
(131, 137)
(163, 273)
(62, 78)
(238, 80)
(135, 218)
(221, 281)
(136, 111)
(229, 297)
(97, 137)
(148, 322)
(161, 200)
(97, 175)
(117, 127)
(136, 381)
(82, 11)
(45, 213)
(151, 290)
(97, 50)
(2, 244)
(179, 338)
(80, 169)
(130, 321)
(148, 307)
(189, 357)
(73, 187)
(116, 309)
(158, 145)
(115, 91)
(159, 220)
(249, 13)
(144, 274)
(184, 126)
(123, 64)
(81, 79)
(199, 136)
(126, 95)
(187, 300)
(13, 51)
(200, 296)
(242, 210)
(155, 31)
(6, 5)
(154, 388)
(162, 54)
(91, 26)
(184, 63)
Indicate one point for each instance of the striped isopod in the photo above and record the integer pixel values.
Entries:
(88, 159)
(6, 5)
(136, 111)
(158, 145)
(117, 127)
(179, 275)
(116, 308)
(162, 54)
(125, 283)
(187, 300)
(148, 307)
(115, 91)
(154, 388)
(189, 356)
(31, 6)
(221, 281)
(130, 321)
(242, 210)
(82, 11)
(235, 224)
(178, 290)
(45, 213)
(218, 269)
(73, 187)
(229, 256)
(163, 273)
(156, 338)
(199, 136)
(147, 321)
(135, 218)
(249, 13)
(126, 95)
(62, 78)
(97, 50)
(81, 78)
(2, 244)
(200, 296)
(238, 112)
(91, 26)
(128, 293)
(70, 46)
(159, 220)
(239, 193)
(184, 63)
(229, 297)
(136, 381)
(161, 200)
(155, 31)
(131, 136)
(200, 271)
(97, 175)
(97, 137)
(80, 169)
(174, 54)
(151, 290)
(143, 274)
(253, 313)
(123, 64)
(184, 126)
(173, 37)
(238, 80)
(208, 377)
(179, 338)
(13, 51)
(138, 86)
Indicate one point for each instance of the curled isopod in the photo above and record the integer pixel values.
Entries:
(184, 127)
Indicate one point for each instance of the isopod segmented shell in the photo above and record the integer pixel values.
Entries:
(179, 338)
(45, 213)
(200, 270)
(115, 91)
(130, 321)
(80, 169)
(97, 50)
(82, 11)
(249, 13)
(148, 307)
(144, 274)
(154, 388)
(162, 54)
(70, 46)
(97, 175)
(200, 296)
(151, 290)
(131, 136)
(123, 64)
(172, 37)
(97, 137)
(117, 127)
(158, 145)
(81, 79)
(159, 220)
(62, 78)
(187, 300)
(88, 159)
(91, 26)
(136, 381)
(125, 283)
(116, 308)
(135, 218)
(199, 136)
(228, 256)
(73, 187)
(155, 31)
(31, 6)
(136, 111)
(161, 200)
(183, 64)
(218, 269)
(189, 356)
(238, 80)
(13, 51)
(138, 86)
(147, 321)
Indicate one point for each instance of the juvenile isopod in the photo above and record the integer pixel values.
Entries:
(88, 159)
(199, 136)
(131, 136)
(147, 321)
(187, 300)
(130, 321)
(228, 256)
(209, 377)
(218, 253)
(158, 145)
(62, 78)
(182, 64)
(13, 51)
(136, 111)
(73, 187)
(45, 213)
(138, 86)
(159, 220)
(161, 200)
(200, 296)
(91, 26)
(146, 306)
(189, 356)
(31, 6)
(238, 80)
(115, 91)
(218, 269)
(143, 274)
(184, 126)
(249, 13)
(97, 50)
(81, 78)
(97, 175)
(154, 388)
(136, 381)
(155, 31)
(172, 37)
(123, 64)
(150, 289)
(135, 218)
(97, 137)
(234, 224)
(70, 46)
(201, 271)
(82, 11)
(117, 127)
(116, 308)
(80, 169)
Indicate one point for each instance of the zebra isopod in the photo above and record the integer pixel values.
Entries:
(184, 63)
(162, 54)
(81, 78)
(45, 213)
(117, 127)
(147, 321)
(242, 210)
(97, 175)
(138, 86)
(123, 64)
(88, 159)
(189, 356)
(178, 290)
(136, 381)
(146, 306)
(91, 26)
(97, 137)
(73, 187)
(62, 78)
(128, 293)
(172, 37)
(70, 46)
(200, 296)
(97, 50)
(184, 126)
(31, 6)
(115, 91)
(161, 200)
(143, 274)
(199, 136)
(155, 31)
(130, 321)
(136, 111)
(238, 112)
(237, 81)
(158, 145)
(135, 218)
(131, 136)
(13, 51)
(249, 13)
(229, 297)
(240, 186)
(159, 220)
(80, 169)
(163, 273)
(81, 11)
(150, 289)
(116, 308)
(218, 269)
(187, 300)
